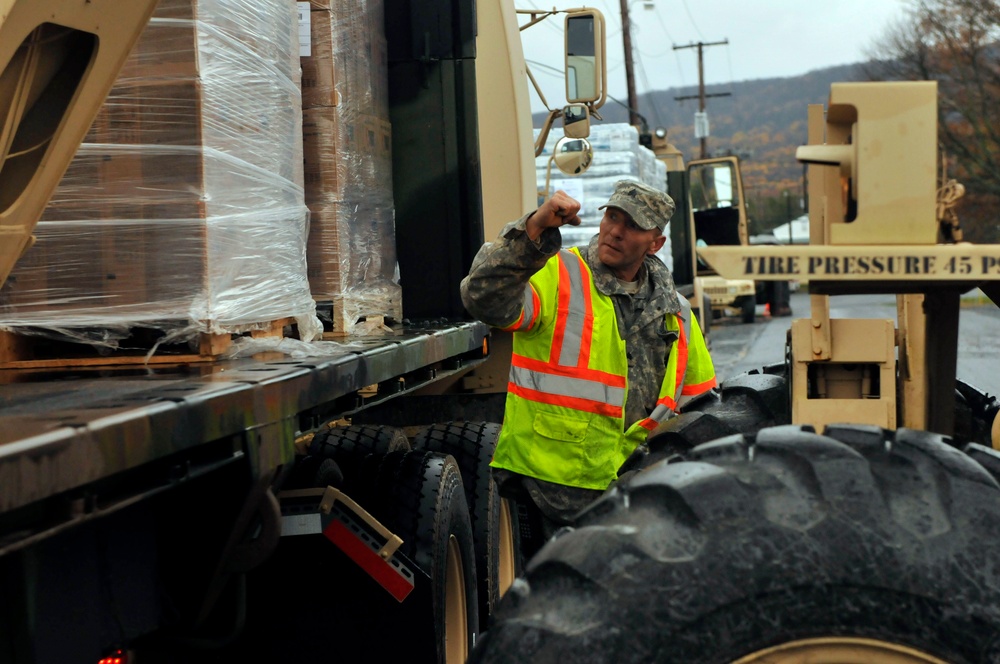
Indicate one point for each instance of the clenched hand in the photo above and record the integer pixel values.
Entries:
(557, 211)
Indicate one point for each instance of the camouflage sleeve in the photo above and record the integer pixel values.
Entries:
(493, 291)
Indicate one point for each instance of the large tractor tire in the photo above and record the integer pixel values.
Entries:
(494, 519)
(860, 545)
(744, 404)
(310, 603)
(975, 413)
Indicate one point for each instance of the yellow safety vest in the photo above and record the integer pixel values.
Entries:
(565, 412)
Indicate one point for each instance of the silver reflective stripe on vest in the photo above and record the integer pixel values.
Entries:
(528, 305)
(569, 353)
(661, 413)
(568, 387)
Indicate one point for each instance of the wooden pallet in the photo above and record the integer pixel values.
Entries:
(25, 351)
(376, 324)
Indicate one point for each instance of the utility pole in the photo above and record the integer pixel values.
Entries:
(701, 96)
(633, 101)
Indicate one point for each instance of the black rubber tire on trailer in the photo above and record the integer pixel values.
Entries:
(788, 540)
(494, 519)
(310, 603)
(336, 455)
(354, 446)
(436, 536)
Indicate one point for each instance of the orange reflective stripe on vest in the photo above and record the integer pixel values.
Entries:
(566, 380)
(666, 405)
(564, 419)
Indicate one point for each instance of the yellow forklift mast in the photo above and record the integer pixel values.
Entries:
(58, 59)
(876, 226)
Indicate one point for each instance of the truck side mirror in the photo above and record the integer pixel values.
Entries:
(572, 156)
(585, 61)
(576, 121)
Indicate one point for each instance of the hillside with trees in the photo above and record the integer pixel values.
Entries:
(762, 121)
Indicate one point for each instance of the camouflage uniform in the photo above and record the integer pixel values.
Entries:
(493, 293)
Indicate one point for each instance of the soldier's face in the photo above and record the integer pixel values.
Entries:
(622, 244)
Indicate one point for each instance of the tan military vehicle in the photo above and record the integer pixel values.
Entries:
(842, 506)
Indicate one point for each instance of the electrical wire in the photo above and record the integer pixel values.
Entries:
(645, 84)
(693, 23)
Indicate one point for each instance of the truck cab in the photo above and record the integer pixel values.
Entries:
(719, 218)
(711, 211)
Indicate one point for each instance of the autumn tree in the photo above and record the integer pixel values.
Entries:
(955, 42)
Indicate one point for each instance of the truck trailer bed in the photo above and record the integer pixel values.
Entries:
(84, 439)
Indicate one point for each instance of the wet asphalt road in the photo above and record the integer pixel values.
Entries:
(737, 347)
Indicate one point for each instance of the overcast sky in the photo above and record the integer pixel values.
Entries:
(767, 38)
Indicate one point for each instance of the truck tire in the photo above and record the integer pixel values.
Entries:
(494, 519)
(748, 309)
(339, 613)
(419, 495)
(351, 447)
(764, 548)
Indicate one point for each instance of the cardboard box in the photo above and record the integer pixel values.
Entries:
(185, 204)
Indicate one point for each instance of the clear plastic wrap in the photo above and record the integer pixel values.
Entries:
(184, 210)
(617, 156)
(348, 164)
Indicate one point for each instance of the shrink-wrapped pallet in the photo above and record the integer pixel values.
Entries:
(617, 156)
(348, 164)
(184, 209)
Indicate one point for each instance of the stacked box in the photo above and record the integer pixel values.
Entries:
(185, 208)
(617, 156)
(348, 163)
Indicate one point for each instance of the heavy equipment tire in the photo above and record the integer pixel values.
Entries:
(341, 614)
(744, 404)
(768, 547)
(748, 309)
(494, 519)
(975, 412)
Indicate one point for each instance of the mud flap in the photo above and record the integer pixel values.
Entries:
(372, 546)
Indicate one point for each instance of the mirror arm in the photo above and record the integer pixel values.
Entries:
(538, 89)
(543, 135)
(548, 176)
(536, 16)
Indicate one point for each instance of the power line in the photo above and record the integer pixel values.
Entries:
(693, 23)
(645, 83)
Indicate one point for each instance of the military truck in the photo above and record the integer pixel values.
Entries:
(328, 505)
(841, 506)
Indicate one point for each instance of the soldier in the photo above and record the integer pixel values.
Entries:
(604, 348)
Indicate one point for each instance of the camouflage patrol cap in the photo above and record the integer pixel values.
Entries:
(648, 207)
